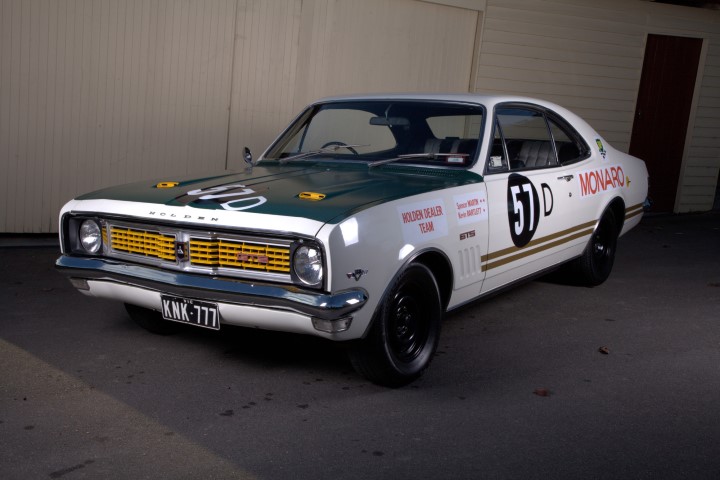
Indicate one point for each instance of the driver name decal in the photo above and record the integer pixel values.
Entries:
(423, 220)
(601, 180)
(471, 207)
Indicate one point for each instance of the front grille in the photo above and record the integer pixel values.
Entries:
(237, 254)
(200, 252)
(143, 242)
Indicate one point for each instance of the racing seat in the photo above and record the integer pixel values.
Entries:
(536, 153)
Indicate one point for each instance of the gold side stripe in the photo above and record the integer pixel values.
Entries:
(555, 239)
(633, 211)
(537, 241)
(532, 251)
(633, 214)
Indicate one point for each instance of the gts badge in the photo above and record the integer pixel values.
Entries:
(357, 274)
(248, 258)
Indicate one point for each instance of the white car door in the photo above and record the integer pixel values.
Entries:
(534, 214)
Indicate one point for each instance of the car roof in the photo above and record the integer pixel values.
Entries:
(487, 100)
(453, 97)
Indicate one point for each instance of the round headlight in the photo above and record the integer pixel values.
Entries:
(90, 236)
(307, 264)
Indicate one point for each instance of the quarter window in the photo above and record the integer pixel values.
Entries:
(527, 138)
(569, 145)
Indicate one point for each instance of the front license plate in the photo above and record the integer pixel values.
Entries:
(194, 312)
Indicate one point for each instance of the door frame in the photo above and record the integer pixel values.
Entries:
(691, 114)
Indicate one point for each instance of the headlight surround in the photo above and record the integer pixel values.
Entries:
(90, 236)
(308, 264)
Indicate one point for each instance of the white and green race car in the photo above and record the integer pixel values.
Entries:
(366, 220)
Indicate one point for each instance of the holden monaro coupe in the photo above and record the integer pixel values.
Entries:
(366, 220)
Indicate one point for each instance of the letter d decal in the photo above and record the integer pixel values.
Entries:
(546, 188)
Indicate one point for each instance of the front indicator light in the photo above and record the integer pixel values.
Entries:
(80, 283)
(90, 236)
(332, 326)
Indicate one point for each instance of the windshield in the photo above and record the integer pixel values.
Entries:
(379, 132)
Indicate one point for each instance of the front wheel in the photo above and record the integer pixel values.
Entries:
(405, 331)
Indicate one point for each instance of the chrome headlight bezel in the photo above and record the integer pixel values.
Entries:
(76, 240)
(308, 264)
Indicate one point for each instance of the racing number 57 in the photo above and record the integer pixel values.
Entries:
(523, 209)
(518, 207)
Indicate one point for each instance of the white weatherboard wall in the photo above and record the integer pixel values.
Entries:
(105, 92)
(587, 55)
(264, 74)
(701, 164)
(292, 52)
(99, 92)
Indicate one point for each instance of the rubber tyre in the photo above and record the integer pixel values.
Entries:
(595, 264)
(151, 320)
(405, 331)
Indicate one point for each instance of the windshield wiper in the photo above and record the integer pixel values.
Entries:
(428, 155)
(312, 153)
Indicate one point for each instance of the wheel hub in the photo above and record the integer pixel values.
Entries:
(406, 340)
(404, 327)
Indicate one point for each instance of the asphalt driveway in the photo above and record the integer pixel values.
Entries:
(544, 381)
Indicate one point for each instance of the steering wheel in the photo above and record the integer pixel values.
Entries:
(340, 144)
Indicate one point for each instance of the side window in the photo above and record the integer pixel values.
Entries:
(570, 147)
(526, 139)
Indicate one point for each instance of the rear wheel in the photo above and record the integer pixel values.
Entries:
(596, 262)
(151, 320)
(405, 331)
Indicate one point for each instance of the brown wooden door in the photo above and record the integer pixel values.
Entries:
(662, 112)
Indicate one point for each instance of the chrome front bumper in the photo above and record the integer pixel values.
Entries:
(275, 307)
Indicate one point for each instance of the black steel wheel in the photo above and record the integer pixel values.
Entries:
(405, 331)
(596, 262)
(151, 320)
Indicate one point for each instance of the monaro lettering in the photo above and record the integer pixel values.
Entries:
(601, 180)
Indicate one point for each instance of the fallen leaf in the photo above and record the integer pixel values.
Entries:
(604, 350)
(542, 392)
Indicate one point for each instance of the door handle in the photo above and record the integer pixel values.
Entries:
(567, 178)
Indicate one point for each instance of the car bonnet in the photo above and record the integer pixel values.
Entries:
(319, 192)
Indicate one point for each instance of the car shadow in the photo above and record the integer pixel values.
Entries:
(269, 349)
